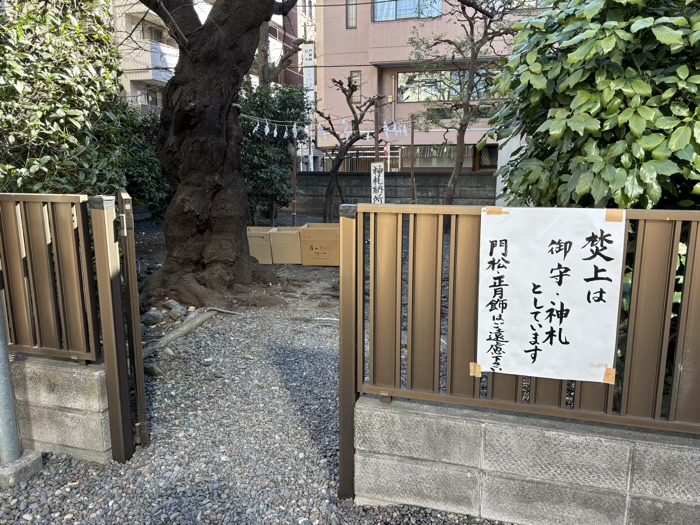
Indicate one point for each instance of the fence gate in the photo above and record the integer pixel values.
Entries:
(61, 283)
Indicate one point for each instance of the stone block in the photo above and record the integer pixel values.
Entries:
(59, 384)
(387, 430)
(529, 502)
(645, 511)
(438, 486)
(96, 456)
(666, 471)
(534, 452)
(67, 428)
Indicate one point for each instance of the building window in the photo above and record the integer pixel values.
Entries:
(356, 77)
(386, 10)
(134, 28)
(152, 97)
(438, 156)
(439, 86)
(488, 158)
(156, 34)
(351, 14)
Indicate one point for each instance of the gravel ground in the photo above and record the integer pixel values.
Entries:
(244, 428)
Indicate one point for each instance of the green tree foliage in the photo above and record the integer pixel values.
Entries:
(605, 94)
(267, 160)
(139, 161)
(58, 85)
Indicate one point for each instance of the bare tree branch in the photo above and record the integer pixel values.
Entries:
(166, 16)
(136, 26)
(282, 8)
(285, 60)
(346, 141)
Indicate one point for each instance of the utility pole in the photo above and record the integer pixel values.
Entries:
(413, 163)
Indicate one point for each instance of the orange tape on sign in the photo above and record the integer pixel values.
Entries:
(614, 215)
(475, 369)
(609, 378)
(496, 211)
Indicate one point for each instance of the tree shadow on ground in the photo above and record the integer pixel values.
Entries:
(311, 379)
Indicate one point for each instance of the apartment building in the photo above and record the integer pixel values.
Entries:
(149, 54)
(368, 41)
(299, 23)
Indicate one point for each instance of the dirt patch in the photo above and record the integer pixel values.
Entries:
(273, 285)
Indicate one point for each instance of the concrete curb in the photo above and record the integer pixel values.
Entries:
(22, 469)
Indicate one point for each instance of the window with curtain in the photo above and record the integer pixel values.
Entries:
(356, 77)
(386, 10)
(351, 14)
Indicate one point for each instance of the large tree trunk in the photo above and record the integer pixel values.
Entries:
(200, 150)
(457, 169)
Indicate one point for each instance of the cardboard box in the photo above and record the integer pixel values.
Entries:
(285, 245)
(320, 244)
(259, 243)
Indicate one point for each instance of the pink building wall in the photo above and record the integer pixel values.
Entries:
(380, 50)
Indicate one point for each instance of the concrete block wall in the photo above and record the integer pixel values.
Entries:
(523, 469)
(62, 407)
(472, 189)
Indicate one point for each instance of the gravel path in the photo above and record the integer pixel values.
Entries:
(244, 430)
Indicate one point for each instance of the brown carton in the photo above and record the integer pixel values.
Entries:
(320, 244)
(259, 243)
(285, 245)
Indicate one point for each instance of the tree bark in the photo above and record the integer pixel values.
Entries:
(200, 150)
(457, 169)
(333, 183)
(263, 56)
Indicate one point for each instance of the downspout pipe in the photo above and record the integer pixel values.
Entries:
(10, 447)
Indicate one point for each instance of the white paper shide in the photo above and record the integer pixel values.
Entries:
(549, 291)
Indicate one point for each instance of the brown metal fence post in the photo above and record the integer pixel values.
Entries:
(111, 320)
(126, 210)
(348, 348)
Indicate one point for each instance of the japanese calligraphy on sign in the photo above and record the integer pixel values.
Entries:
(549, 291)
(377, 176)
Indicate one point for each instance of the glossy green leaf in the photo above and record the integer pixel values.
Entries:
(680, 109)
(668, 36)
(632, 187)
(667, 122)
(599, 189)
(638, 125)
(584, 183)
(581, 123)
(664, 167)
(641, 88)
(642, 23)
(680, 138)
(647, 172)
(649, 142)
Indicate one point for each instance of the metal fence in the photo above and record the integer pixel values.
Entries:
(403, 272)
(62, 289)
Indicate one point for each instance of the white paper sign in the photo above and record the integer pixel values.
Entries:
(549, 291)
(377, 176)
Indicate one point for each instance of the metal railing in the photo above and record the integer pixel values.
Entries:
(403, 273)
(59, 268)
